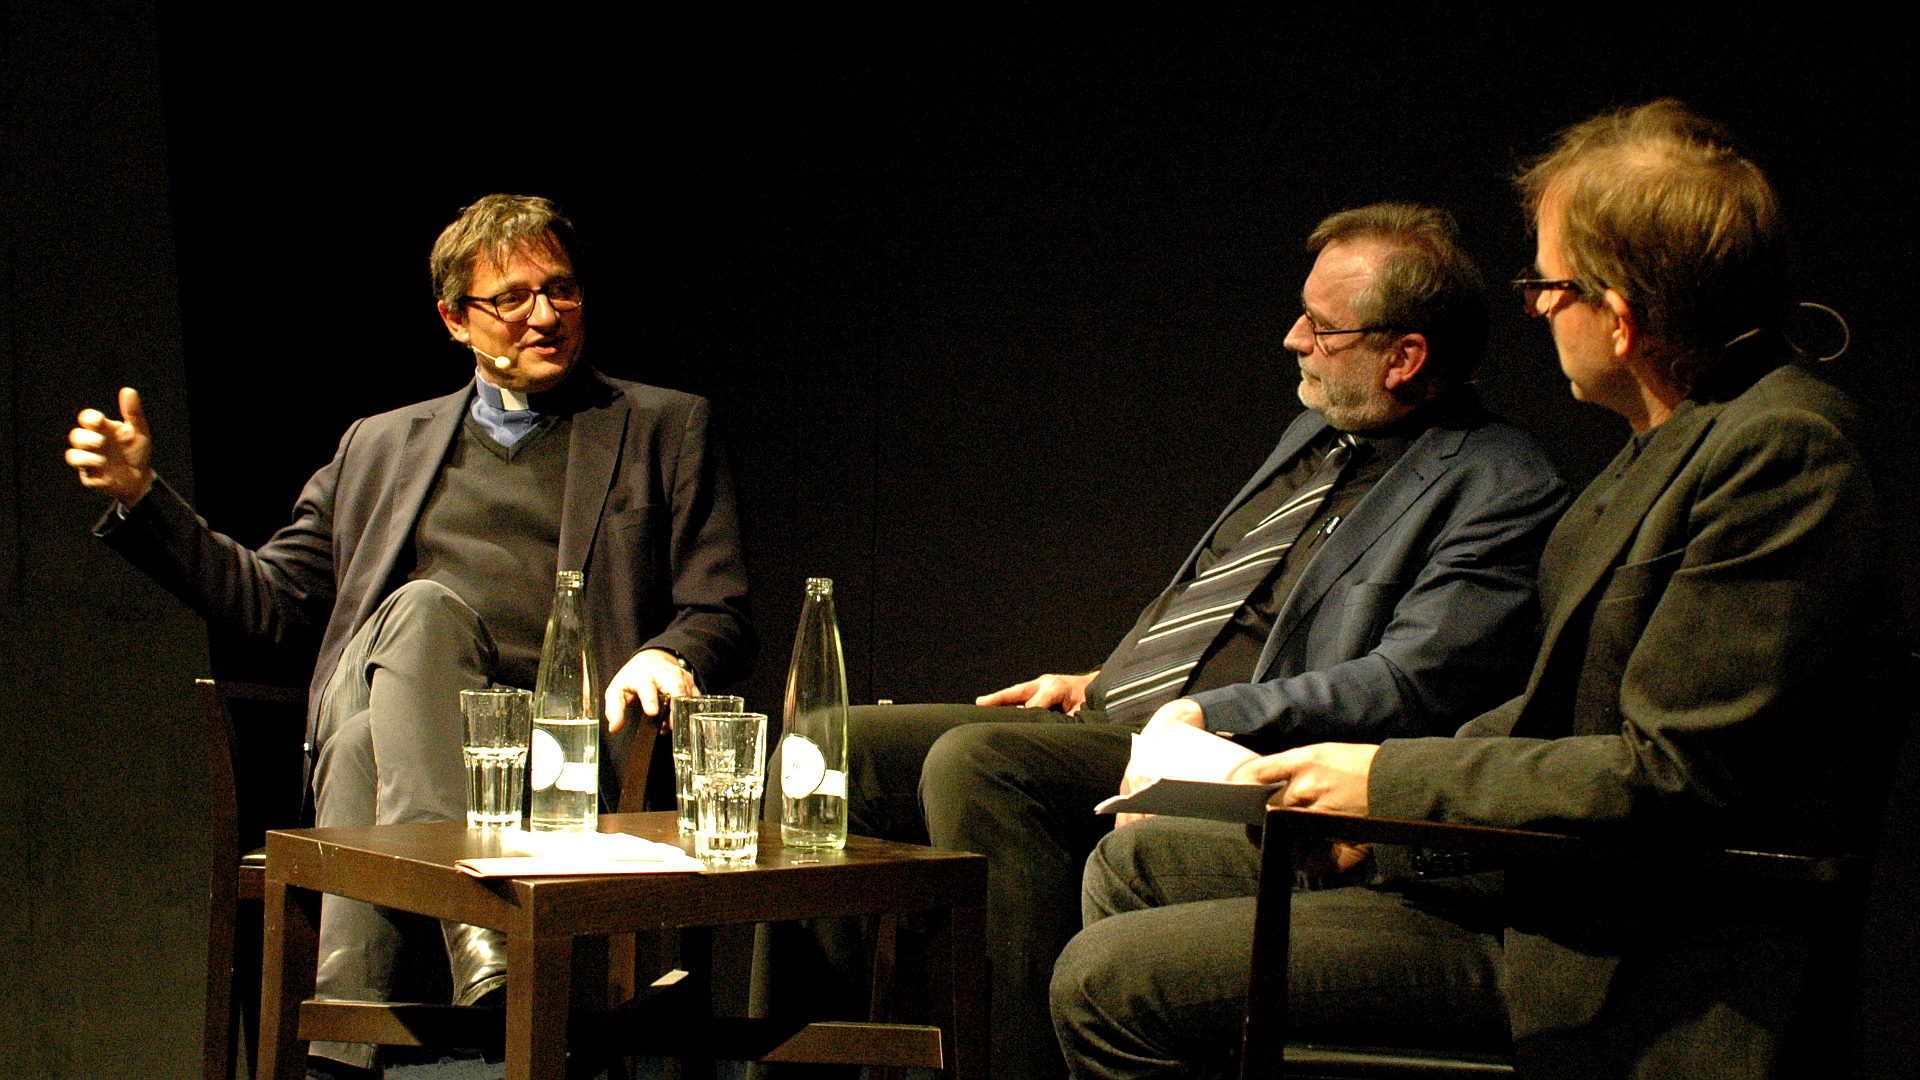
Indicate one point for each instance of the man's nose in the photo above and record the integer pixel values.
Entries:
(1298, 339)
(543, 313)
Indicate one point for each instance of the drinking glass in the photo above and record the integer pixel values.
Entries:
(499, 723)
(729, 774)
(680, 722)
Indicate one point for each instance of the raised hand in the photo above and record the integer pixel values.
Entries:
(114, 455)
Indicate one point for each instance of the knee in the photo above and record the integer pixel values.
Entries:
(1110, 882)
(957, 765)
(430, 602)
(1085, 993)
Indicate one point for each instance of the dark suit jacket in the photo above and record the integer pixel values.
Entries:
(1419, 606)
(1706, 626)
(648, 513)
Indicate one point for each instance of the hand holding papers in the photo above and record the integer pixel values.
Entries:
(1189, 768)
(545, 854)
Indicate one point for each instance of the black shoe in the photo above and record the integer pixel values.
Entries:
(477, 957)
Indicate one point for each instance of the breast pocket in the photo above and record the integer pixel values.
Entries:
(1620, 615)
(1636, 580)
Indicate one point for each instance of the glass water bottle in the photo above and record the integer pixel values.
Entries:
(813, 744)
(565, 758)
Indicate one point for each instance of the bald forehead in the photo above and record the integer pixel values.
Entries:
(1341, 273)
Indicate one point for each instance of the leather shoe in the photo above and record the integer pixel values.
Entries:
(478, 959)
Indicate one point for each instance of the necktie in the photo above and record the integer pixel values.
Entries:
(1159, 664)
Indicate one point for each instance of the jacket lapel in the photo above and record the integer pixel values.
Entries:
(593, 454)
(414, 471)
(1604, 539)
(1377, 512)
(1595, 546)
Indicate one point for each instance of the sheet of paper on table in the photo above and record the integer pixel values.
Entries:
(531, 854)
(1190, 768)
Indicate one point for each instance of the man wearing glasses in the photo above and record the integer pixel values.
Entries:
(1375, 576)
(1707, 678)
(424, 555)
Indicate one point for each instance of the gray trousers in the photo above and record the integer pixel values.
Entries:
(387, 751)
(1017, 786)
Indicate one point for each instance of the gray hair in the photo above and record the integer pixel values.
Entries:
(1427, 285)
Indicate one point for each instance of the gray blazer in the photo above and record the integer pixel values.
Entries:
(648, 513)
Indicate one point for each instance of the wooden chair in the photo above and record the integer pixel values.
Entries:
(1835, 882)
(253, 730)
(1830, 891)
(252, 736)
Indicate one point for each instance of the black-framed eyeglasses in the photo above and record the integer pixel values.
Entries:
(516, 305)
(1531, 288)
(1314, 329)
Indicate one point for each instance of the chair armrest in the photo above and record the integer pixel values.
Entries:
(1521, 845)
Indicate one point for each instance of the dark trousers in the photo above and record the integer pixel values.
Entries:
(1017, 786)
(387, 751)
(1156, 984)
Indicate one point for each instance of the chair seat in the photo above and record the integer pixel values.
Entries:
(251, 882)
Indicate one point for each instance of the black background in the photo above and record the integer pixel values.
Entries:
(990, 302)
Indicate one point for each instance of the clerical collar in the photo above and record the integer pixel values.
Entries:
(505, 416)
(504, 400)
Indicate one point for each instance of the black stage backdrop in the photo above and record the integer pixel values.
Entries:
(990, 304)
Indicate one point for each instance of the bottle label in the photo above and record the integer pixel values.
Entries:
(579, 776)
(802, 767)
(548, 759)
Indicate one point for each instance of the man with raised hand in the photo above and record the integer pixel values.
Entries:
(423, 556)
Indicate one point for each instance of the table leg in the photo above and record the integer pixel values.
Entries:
(539, 998)
(957, 970)
(289, 950)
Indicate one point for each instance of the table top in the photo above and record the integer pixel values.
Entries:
(411, 867)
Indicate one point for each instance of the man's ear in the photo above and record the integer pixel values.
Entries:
(1625, 334)
(1408, 360)
(456, 321)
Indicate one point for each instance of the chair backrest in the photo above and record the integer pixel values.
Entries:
(251, 735)
(253, 742)
(633, 776)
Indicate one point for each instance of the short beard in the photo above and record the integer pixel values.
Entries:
(1351, 412)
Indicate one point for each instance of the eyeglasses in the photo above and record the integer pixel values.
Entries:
(516, 305)
(1314, 329)
(1530, 289)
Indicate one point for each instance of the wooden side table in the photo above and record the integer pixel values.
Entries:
(411, 868)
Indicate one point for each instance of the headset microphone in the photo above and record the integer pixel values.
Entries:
(500, 362)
